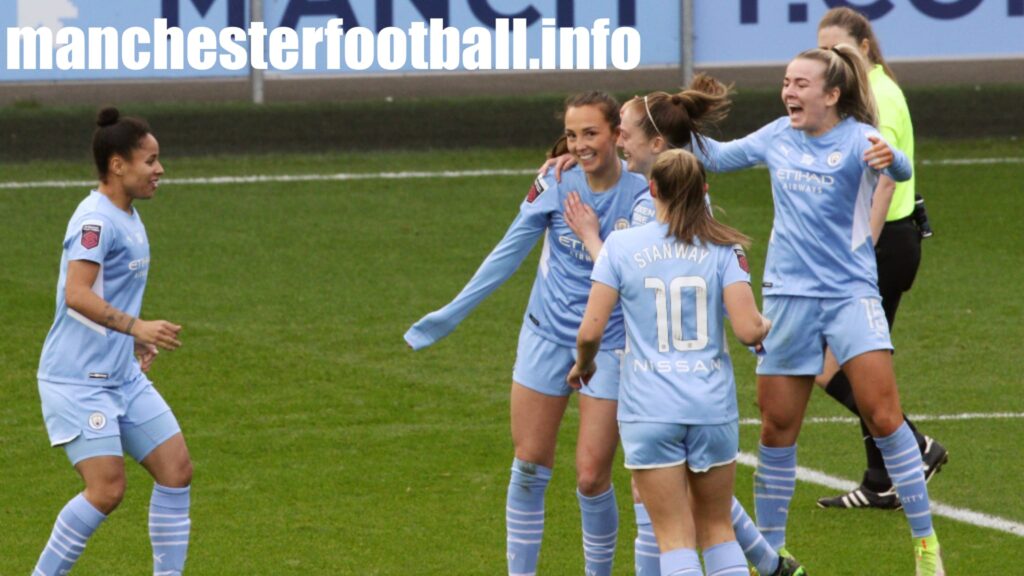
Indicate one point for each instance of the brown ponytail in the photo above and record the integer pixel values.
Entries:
(680, 180)
(675, 117)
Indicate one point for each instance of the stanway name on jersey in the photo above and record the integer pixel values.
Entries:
(676, 250)
(676, 366)
(803, 181)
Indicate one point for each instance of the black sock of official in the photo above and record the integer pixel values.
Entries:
(875, 477)
(917, 435)
(839, 388)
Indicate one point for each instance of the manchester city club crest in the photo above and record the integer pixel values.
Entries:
(97, 420)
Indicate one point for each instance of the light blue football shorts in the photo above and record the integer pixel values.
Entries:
(803, 326)
(90, 421)
(542, 365)
(663, 445)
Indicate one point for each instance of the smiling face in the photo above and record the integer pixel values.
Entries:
(140, 174)
(638, 150)
(590, 138)
(810, 106)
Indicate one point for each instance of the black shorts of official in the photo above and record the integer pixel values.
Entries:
(898, 253)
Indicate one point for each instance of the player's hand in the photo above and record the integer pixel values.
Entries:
(145, 353)
(559, 163)
(159, 333)
(880, 155)
(582, 219)
(580, 376)
(758, 347)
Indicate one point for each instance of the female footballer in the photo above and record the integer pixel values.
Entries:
(96, 399)
(820, 282)
(897, 251)
(548, 335)
(650, 125)
(678, 418)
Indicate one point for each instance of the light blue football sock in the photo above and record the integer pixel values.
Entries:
(755, 547)
(169, 528)
(681, 562)
(725, 559)
(646, 555)
(600, 516)
(524, 516)
(74, 525)
(774, 482)
(903, 463)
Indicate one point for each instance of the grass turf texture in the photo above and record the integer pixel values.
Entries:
(323, 446)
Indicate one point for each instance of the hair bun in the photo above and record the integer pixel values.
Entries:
(108, 117)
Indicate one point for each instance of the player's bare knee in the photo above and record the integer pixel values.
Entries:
(106, 494)
(775, 431)
(591, 481)
(180, 475)
(883, 423)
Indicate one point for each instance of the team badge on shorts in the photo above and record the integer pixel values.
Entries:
(90, 236)
(621, 224)
(97, 421)
(835, 158)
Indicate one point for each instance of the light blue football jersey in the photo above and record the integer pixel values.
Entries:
(820, 244)
(562, 286)
(676, 367)
(77, 350)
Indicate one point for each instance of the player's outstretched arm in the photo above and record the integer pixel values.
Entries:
(79, 297)
(498, 267)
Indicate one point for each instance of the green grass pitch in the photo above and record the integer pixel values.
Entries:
(322, 445)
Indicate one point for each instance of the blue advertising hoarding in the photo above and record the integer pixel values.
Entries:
(727, 32)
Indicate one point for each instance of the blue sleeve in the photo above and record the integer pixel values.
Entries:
(737, 154)
(901, 169)
(734, 267)
(604, 267)
(91, 238)
(500, 264)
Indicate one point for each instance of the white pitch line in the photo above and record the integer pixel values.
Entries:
(914, 417)
(938, 509)
(970, 161)
(257, 179)
(266, 178)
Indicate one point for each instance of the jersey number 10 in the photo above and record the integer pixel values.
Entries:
(674, 310)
